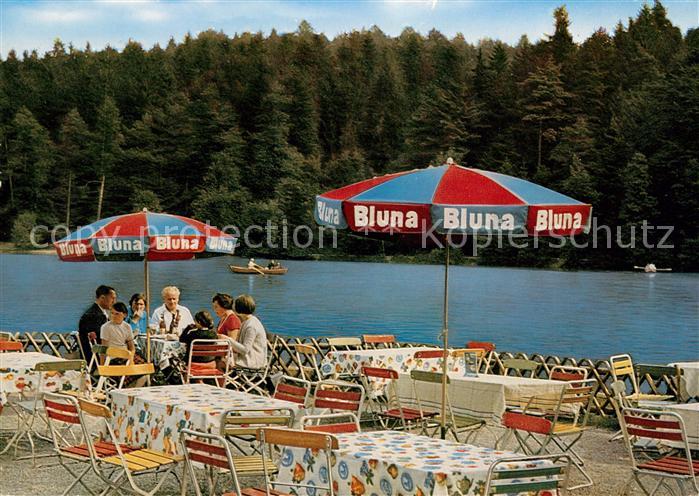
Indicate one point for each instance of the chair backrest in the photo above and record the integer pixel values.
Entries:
(306, 354)
(520, 366)
(213, 452)
(6, 346)
(423, 354)
(425, 376)
(344, 343)
(287, 438)
(655, 375)
(621, 368)
(332, 423)
(236, 423)
(292, 389)
(657, 426)
(473, 358)
(376, 340)
(62, 414)
(528, 474)
(60, 366)
(338, 396)
(219, 349)
(122, 372)
(567, 373)
(485, 345)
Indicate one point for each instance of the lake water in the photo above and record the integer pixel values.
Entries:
(578, 314)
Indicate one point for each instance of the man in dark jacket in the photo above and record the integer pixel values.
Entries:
(93, 318)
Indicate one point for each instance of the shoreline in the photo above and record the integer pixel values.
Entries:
(8, 248)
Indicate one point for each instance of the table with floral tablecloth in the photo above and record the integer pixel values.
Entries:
(17, 375)
(394, 463)
(402, 360)
(482, 396)
(161, 349)
(153, 417)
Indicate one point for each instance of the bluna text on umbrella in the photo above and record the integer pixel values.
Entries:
(371, 217)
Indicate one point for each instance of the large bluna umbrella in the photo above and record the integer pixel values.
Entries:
(446, 200)
(147, 236)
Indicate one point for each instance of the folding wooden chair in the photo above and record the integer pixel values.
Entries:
(120, 373)
(528, 474)
(454, 423)
(29, 411)
(239, 427)
(332, 423)
(622, 369)
(286, 438)
(338, 396)
(548, 422)
(211, 451)
(63, 415)
(220, 350)
(306, 363)
(520, 366)
(292, 389)
(372, 341)
(665, 465)
(127, 463)
(473, 358)
(489, 352)
(390, 413)
(567, 373)
(11, 346)
(108, 353)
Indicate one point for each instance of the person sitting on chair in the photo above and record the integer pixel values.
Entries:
(91, 321)
(250, 350)
(202, 328)
(170, 311)
(137, 314)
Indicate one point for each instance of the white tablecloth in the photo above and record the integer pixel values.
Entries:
(393, 463)
(17, 375)
(690, 373)
(690, 415)
(484, 396)
(153, 417)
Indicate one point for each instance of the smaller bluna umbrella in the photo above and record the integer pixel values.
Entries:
(147, 236)
(447, 200)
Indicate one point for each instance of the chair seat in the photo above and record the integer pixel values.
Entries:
(144, 459)
(102, 448)
(256, 491)
(198, 372)
(408, 414)
(252, 464)
(566, 428)
(670, 465)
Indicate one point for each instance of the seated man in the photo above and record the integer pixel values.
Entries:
(91, 321)
(171, 317)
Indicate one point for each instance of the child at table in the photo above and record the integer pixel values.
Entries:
(203, 328)
(117, 333)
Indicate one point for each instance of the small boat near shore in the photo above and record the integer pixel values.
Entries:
(277, 271)
(650, 269)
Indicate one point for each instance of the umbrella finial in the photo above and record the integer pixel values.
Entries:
(145, 209)
(450, 161)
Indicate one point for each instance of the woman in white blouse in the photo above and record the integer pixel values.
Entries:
(250, 350)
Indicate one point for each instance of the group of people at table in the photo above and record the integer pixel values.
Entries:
(114, 324)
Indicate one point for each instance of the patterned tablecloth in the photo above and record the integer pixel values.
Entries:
(484, 396)
(153, 417)
(401, 360)
(394, 463)
(690, 415)
(690, 373)
(161, 350)
(17, 375)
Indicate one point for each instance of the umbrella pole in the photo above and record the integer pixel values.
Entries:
(146, 282)
(445, 337)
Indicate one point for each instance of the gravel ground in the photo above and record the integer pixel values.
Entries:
(607, 463)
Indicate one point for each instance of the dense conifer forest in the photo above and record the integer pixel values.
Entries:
(238, 130)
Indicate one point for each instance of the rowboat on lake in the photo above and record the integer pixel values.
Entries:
(277, 271)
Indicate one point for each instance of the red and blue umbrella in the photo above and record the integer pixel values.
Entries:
(146, 236)
(451, 199)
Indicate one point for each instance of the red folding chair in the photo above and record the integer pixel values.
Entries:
(338, 396)
(378, 341)
(220, 350)
(332, 423)
(292, 389)
(660, 428)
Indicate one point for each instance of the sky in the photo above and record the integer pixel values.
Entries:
(35, 24)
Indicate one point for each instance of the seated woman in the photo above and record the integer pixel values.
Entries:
(250, 351)
(137, 314)
(229, 323)
(203, 328)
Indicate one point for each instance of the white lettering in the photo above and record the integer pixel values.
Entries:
(328, 214)
(107, 245)
(547, 220)
(372, 217)
(72, 249)
(360, 216)
(451, 218)
(461, 218)
(411, 219)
